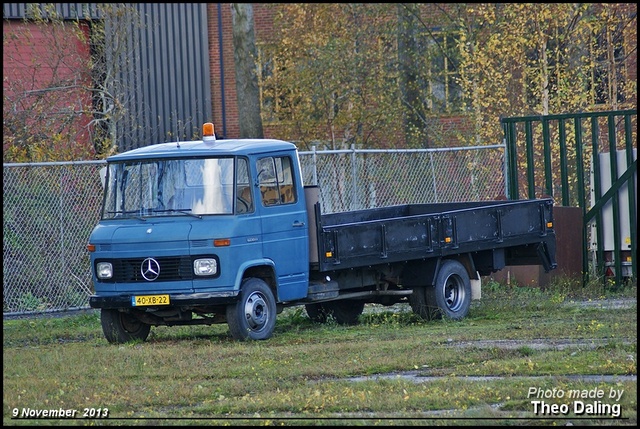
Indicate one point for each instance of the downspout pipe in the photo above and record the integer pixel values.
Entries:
(222, 91)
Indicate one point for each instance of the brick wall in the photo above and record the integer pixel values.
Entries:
(223, 82)
(52, 58)
(221, 62)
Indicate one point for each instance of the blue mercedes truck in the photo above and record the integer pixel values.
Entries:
(225, 231)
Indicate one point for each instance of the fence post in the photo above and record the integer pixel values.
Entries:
(315, 166)
(631, 187)
(505, 167)
(615, 203)
(354, 172)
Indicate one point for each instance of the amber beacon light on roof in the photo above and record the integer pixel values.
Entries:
(208, 132)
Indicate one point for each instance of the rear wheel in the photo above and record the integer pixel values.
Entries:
(120, 327)
(449, 297)
(452, 291)
(253, 317)
(344, 312)
(316, 312)
(423, 304)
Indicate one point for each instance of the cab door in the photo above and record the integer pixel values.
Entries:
(284, 223)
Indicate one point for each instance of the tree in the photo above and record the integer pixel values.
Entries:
(346, 71)
(62, 94)
(333, 76)
(244, 54)
(45, 73)
(538, 59)
(114, 50)
(409, 50)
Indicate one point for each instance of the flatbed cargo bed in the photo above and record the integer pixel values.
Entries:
(524, 228)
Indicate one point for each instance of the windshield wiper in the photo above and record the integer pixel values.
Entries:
(183, 211)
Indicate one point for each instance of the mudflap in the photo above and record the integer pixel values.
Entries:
(547, 255)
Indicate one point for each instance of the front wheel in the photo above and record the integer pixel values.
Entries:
(120, 327)
(253, 317)
(452, 291)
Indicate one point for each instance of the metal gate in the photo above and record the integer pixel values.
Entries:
(586, 160)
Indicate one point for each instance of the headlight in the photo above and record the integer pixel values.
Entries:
(104, 270)
(205, 267)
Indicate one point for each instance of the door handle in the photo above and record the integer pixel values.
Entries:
(297, 224)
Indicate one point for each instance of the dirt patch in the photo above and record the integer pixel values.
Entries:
(537, 344)
(605, 304)
(416, 377)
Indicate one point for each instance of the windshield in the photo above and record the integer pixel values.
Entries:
(169, 187)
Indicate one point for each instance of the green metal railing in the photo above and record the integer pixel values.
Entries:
(559, 151)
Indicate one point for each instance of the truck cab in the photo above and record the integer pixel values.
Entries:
(184, 224)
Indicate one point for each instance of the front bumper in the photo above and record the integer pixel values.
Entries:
(175, 300)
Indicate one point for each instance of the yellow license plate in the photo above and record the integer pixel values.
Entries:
(141, 300)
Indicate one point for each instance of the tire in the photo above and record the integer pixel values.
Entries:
(120, 327)
(346, 311)
(452, 292)
(316, 312)
(424, 306)
(253, 317)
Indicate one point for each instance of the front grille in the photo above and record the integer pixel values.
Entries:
(171, 269)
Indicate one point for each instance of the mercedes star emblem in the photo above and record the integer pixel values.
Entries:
(150, 269)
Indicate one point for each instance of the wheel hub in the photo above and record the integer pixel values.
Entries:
(454, 293)
(256, 311)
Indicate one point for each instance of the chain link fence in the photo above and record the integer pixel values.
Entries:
(48, 212)
(359, 179)
(50, 209)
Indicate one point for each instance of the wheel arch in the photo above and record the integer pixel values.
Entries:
(263, 269)
(420, 273)
(466, 259)
(425, 272)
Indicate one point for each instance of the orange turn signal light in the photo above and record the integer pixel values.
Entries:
(221, 242)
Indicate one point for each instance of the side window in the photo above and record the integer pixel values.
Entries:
(275, 177)
(244, 196)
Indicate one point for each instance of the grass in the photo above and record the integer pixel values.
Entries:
(391, 369)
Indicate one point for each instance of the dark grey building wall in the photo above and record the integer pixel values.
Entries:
(66, 10)
(167, 74)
